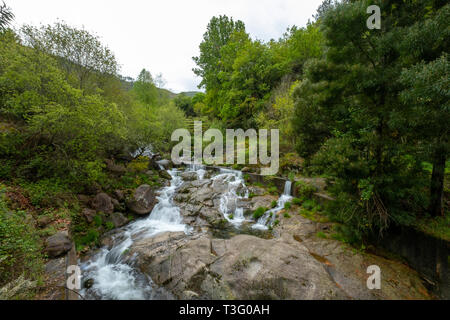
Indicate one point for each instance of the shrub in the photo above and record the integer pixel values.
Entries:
(287, 205)
(273, 204)
(20, 250)
(273, 190)
(258, 213)
(305, 190)
(297, 201)
(309, 204)
(322, 235)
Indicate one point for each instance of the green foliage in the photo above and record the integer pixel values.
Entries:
(45, 192)
(239, 74)
(287, 205)
(185, 103)
(360, 110)
(85, 61)
(297, 201)
(321, 235)
(6, 17)
(109, 225)
(273, 204)
(286, 215)
(20, 248)
(305, 190)
(259, 212)
(309, 204)
(145, 89)
(273, 190)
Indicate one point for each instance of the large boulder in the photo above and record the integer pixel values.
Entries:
(118, 219)
(103, 203)
(243, 267)
(58, 244)
(189, 176)
(143, 200)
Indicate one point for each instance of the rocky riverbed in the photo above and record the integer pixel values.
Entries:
(200, 242)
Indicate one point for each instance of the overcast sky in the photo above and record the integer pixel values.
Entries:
(163, 36)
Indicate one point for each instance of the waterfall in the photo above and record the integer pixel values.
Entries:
(269, 217)
(287, 188)
(236, 189)
(114, 278)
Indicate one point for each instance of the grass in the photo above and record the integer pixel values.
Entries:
(20, 245)
(321, 235)
(258, 213)
(438, 227)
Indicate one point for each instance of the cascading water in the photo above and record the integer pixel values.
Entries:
(113, 274)
(236, 189)
(268, 218)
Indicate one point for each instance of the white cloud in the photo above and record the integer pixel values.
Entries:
(163, 36)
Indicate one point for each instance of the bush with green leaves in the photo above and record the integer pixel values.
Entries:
(259, 212)
(20, 246)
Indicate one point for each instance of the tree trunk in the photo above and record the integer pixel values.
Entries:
(437, 183)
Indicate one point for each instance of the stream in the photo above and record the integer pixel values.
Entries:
(113, 274)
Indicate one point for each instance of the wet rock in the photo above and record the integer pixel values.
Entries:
(103, 203)
(58, 244)
(118, 219)
(262, 202)
(88, 214)
(165, 175)
(88, 283)
(143, 200)
(243, 267)
(153, 164)
(189, 176)
(166, 164)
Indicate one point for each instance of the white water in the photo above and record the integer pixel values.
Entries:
(115, 278)
(236, 189)
(269, 217)
(113, 272)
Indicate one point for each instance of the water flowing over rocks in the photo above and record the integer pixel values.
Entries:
(200, 241)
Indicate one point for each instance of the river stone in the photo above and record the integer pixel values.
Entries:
(118, 219)
(189, 176)
(143, 200)
(165, 175)
(103, 203)
(166, 164)
(58, 244)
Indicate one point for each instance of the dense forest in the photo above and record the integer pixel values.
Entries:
(368, 110)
